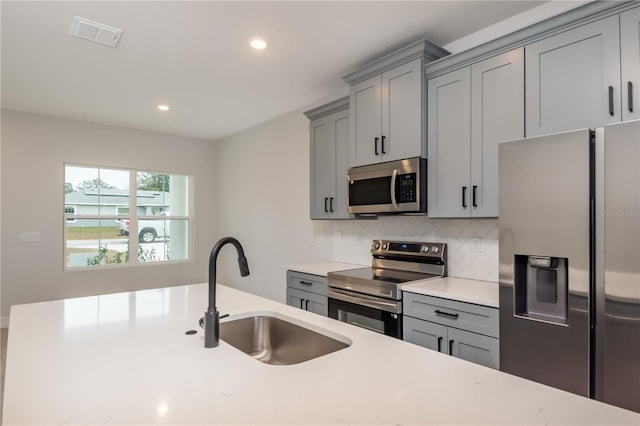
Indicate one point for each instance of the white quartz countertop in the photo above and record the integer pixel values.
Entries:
(125, 359)
(461, 289)
(323, 268)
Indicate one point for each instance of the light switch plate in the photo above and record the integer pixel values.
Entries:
(29, 236)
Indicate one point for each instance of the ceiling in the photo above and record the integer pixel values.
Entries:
(195, 56)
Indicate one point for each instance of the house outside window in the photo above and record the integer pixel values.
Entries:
(105, 222)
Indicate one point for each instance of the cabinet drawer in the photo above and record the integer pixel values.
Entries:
(307, 282)
(465, 316)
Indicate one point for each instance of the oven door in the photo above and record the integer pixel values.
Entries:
(373, 313)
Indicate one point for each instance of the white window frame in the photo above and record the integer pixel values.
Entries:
(133, 217)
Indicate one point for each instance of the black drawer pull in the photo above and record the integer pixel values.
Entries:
(451, 347)
(375, 146)
(331, 204)
(630, 95)
(611, 100)
(306, 305)
(383, 151)
(440, 344)
(306, 282)
(301, 302)
(325, 204)
(446, 314)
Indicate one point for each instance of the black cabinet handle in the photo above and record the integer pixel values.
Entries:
(446, 314)
(301, 302)
(439, 343)
(306, 305)
(383, 151)
(451, 347)
(464, 197)
(630, 95)
(325, 204)
(331, 204)
(611, 100)
(306, 282)
(375, 146)
(474, 189)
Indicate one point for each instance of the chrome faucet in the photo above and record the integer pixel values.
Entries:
(212, 316)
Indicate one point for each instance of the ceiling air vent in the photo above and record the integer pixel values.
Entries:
(95, 31)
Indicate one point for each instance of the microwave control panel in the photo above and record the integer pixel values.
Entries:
(407, 188)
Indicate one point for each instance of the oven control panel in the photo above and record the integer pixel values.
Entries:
(408, 248)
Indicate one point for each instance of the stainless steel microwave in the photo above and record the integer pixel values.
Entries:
(392, 187)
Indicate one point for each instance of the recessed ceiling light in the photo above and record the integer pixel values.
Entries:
(258, 43)
(163, 107)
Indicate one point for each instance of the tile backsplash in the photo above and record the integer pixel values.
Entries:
(472, 243)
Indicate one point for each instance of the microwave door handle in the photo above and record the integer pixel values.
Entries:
(394, 176)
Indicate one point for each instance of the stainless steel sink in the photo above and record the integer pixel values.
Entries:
(276, 339)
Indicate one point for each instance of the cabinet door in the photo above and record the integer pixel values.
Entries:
(449, 124)
(573, 79)
(340, 186)
(402, 119)
(307, 301)
(497, 115)
(424, 333)
(365, 102)
(295, 297)
(630, 57)
(473, 347)
(317, 304)
(322, 166)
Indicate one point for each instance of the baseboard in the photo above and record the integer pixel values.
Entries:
(4, 322)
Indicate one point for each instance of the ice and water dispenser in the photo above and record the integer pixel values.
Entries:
(541, 288)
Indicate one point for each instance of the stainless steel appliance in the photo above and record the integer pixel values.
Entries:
(392, 187)
(570, 261)
(371, 297)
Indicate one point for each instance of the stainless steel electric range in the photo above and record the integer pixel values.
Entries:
(371, 297)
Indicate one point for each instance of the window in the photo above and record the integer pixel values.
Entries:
(105, 221)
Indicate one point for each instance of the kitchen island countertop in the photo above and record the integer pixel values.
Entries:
(125, 359)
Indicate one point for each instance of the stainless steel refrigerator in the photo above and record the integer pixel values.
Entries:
(569, 229)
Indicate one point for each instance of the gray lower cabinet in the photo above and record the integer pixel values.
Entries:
(471, 110)
(308, 292)
(463, 330)
(573, 79)
(630, 63)
(329, 149)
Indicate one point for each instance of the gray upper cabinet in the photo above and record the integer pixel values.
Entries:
(329, 144)
(471, 110)
(449, 159)
(573, 79)
(630, 63)
(386, 111)
(387, 99)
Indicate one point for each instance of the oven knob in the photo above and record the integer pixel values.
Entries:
(384, 246)
(425, 249)
(435, 250)
(376, 246)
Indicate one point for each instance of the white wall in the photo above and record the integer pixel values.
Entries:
(262, 185)
(34, 148)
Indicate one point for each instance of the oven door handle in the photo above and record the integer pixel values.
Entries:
(393, 307)
(394, 177)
